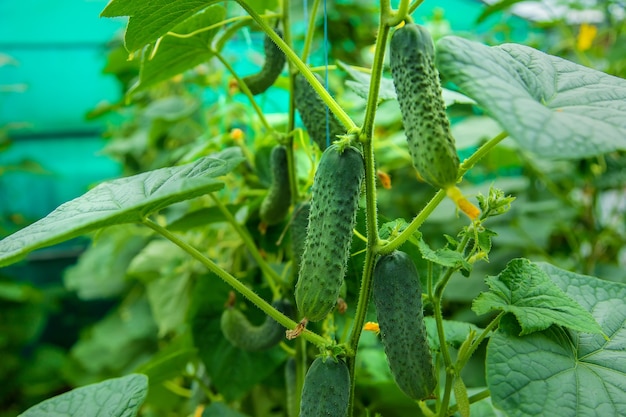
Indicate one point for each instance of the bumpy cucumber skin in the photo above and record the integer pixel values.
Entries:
(276, 203)
(326, 390)
(238, 330)
(397, 296)
(272, 67)
(334, 204)
(312, 110)
(423, 110)
(298, 229)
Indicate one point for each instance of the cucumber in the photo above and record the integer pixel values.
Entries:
(334, 204)
(238, 330)
(290, 387)
(298, 228)
(277, 201)
(271, 69)
(423, 110)
(312, 110)
(397, 294)
(326, 390)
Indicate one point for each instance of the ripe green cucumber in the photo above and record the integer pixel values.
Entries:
(238, 330)
(298, 227)
(334, 204)
(326, 390)
(271, 69)
(397, 293)
(312, 110)
(423, 110)
(277, 201)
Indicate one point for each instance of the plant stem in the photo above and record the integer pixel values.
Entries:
(308, 40)
(302, 67)
(439, 196)
(273, 277)
(395, 18)
(236, 284)
(291, 124)
(244, 89)
(480, 152)
(461, 361)
(473, 399)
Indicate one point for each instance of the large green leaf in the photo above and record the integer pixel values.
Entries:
(101, 270)
(125, 200)
(561, 372)
(175, 55)
(526, 291)
(119, 397)
(552, 107)
(151, 19)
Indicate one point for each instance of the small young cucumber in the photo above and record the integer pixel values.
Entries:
(334, 204)
(272, 67)
(326, 390)
(238, 330)
(299, 223)
(312, 110)
(277, 201)
(397, 296)
(423, 110)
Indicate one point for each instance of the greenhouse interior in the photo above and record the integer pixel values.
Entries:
(173, 176)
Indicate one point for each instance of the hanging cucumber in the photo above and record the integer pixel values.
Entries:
(334, 204)
(272, 67)
(423, 110)
(290, 388)
(276, 203)
(238, 330)
(312, 110)
(326, 390)
(397, 294)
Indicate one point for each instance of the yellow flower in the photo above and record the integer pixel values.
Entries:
(586, 35)
(372, 327)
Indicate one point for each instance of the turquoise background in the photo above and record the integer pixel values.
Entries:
(60, 50)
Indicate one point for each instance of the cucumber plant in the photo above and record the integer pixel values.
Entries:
(326, 201)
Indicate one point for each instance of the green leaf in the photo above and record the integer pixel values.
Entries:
(101, 270)
(119, 397)
(149, 20)
(552, 107)
(496, 7)
(202, 217)
(176, 55)
(169, 297)
(444, 256)
(117, 341)
(125, 200)
(169, 362)
(456, 332)
(526, 291)
(560, 371)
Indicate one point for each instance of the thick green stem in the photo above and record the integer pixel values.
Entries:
(461, 361)
(273, 277)
(308, 40)
(302, 67)
(244, 88)
(399, 15)
(236, 284)
(291, 124)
